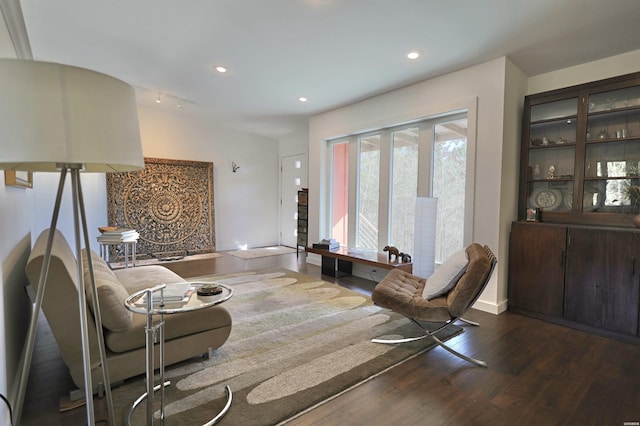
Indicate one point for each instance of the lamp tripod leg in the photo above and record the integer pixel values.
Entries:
(78, 212)
(27, 352)
(96, 308)
(82, 304)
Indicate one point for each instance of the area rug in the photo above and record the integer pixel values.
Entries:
(296, 342)
(154, 261)
(261, 252)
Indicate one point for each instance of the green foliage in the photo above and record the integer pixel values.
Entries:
(449, 182)
(632, 192)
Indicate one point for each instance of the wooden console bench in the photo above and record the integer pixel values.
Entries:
(338, 262)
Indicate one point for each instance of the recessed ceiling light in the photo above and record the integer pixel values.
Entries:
(303, 99)
(414, 54)
(221, 69)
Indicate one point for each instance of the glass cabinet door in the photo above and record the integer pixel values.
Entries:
(580, 154)
(612, 153)
(551, 156)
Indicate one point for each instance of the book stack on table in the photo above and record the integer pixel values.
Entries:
(172, 293)
(327, 244)
(120, 235)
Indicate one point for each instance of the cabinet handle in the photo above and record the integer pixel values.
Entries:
(561, 258)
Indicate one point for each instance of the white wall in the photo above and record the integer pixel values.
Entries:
(246, 202)
(612, 66)
(296, 142)
(94, 194)
(486, 83)
(16, 209)
(515, 85)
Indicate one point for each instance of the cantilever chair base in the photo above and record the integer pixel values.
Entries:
(402, 292)
(431, 334)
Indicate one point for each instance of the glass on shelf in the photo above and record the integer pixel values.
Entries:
(551, 196)
(555, 163)
(610, 196)
(617, 159)
(551, 133)
(615, 99)
(614, 125)
(553, 110)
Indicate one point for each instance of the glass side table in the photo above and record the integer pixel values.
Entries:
(150, 302)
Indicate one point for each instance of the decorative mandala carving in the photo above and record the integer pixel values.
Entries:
(170, 203)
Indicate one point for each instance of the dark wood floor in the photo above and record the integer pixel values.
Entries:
(539, 373)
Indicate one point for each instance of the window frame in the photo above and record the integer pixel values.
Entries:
(425, 166)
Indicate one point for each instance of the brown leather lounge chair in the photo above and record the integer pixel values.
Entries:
(412, 296)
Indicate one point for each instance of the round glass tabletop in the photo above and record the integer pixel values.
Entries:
(175, 298)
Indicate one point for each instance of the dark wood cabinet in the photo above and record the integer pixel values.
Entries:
(536, 267)
(578, 263)
(582, 276)
(603, 279)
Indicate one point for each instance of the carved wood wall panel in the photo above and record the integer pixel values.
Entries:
(170, 203)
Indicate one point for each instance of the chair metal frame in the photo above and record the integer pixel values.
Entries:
(432, 334)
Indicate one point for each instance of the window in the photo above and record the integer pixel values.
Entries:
(404, 187)
(368, 192)
(449, 184)
(339, 191)
(374, 189)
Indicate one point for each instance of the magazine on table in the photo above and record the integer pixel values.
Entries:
(172, 293)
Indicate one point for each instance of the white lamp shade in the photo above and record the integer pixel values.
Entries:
(53, 114)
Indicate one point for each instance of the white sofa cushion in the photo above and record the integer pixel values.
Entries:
(446, 276)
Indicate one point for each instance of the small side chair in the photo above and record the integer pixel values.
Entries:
(404, 293)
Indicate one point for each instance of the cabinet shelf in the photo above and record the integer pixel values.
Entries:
(609, 140)
(598, 179)
(560, 179)
(567, 119)
(552, 145)
(615, 110)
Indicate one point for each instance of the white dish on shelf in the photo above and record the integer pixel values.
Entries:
(546, 198)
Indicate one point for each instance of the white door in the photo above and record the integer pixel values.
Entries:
(293, 178)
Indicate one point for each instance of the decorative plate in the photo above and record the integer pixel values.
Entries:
(548, 199)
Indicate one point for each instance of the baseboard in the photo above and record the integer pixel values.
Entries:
(491, 308)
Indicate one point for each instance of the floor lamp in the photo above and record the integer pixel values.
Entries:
(59, 118)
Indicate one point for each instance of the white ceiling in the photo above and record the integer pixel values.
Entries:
(334, 52)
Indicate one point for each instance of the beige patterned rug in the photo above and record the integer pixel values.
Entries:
(262, 252)
(153, 261)
(296, 342)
